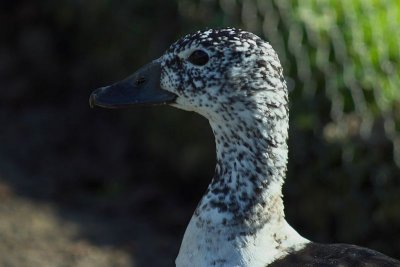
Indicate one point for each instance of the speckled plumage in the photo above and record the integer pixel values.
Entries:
(242, 92)
(238, 85)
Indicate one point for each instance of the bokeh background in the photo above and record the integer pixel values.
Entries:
(93, 187)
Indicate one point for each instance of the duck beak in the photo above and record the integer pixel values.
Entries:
(141, 88)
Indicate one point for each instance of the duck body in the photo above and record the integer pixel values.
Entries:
(343, 255)
(235, 80)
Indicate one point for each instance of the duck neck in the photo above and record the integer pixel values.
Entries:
(245, 191)
(240, 219)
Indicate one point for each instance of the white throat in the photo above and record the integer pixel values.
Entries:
(240, 219)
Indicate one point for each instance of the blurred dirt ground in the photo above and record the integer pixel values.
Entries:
(32, 234)
(39, 234)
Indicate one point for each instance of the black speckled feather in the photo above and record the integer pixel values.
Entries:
(343, 255)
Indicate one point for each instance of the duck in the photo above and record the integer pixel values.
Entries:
(235, 80)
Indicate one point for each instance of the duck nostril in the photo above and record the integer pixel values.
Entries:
(140, 81)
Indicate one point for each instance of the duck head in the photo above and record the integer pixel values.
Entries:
(211, 72)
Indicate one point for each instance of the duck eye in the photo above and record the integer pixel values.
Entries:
(198, 57)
